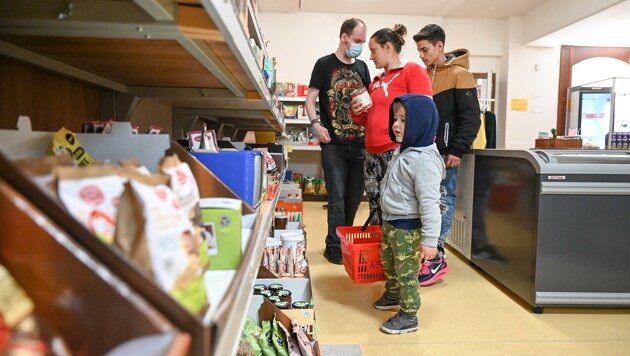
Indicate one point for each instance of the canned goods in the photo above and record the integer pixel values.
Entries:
(361, 95)
(274, 299)
(266, 293)
(274, 288)
(259, 288)
(284, 294)
(280, 222)
(301, 305)
(282, 304)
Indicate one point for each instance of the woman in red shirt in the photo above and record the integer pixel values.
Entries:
(398, 77)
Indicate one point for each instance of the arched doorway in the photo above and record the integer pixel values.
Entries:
(569, 56)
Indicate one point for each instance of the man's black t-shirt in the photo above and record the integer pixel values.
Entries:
(336, 81)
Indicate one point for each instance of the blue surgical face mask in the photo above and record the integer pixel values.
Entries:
(354, 51)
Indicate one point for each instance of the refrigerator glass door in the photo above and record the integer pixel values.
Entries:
(595, 117)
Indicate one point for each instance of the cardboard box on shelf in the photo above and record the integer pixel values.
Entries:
(242, 171)
(300, 290)
(222, 224)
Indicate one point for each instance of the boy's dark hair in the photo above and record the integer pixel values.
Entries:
(432, 33)
(348, 26)
(398, 104)
(395, 36)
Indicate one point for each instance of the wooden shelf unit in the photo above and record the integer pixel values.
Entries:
(194, 55)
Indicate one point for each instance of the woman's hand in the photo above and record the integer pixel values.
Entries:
(357, 108)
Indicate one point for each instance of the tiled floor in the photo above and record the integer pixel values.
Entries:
(464, 314)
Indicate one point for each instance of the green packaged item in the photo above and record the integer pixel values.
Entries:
(251, 334)
(265, 340)
(279, 340)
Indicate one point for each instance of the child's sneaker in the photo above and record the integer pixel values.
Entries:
(401, 323)
(386, 303)
(431, 271)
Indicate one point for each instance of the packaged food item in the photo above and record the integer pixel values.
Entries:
(282, 304)
(309, 187)
(362, 96)
(303, 341)
(322, 187)
(292, 345)
(40, 170)
(15, 305)
(251, 333)
(182, 182)
(275, 287)
(258, 288)
(155, 231)
(91, 196)
(279, 339)
(300, 304)
(274, 299)
(265, 340)
(280, 222)
(65, 142)
(284, 294)
(266, 293)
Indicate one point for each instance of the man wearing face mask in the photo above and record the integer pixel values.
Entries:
(333, 80)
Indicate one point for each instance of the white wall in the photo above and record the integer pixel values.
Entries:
(296, 51)
(495, 45)
(532, 74)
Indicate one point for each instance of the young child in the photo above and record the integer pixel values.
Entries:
(410, 199)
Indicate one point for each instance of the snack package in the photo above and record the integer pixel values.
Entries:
(279, 339)
(91, 196)
(65, 141)
(15, 305)
(303, 341)
(154, 230)
(184, 185)
(251, 334)
(292, 345)
(265, 340)
(40, 170)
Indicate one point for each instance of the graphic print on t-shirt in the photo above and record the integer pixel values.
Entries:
(342, 83)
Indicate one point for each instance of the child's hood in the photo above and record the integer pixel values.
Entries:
(421, 121)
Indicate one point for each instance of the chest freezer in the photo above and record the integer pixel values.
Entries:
(558, 219)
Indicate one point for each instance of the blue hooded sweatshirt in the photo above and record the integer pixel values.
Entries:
(410, 189)
(421, 121)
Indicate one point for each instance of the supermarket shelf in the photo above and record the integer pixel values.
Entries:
(305, 148)
(193, 55)
(292, 99)
(314, 197)
(304, 121)
(229, 335)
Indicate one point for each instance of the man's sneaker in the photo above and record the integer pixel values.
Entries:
(431, 271)
(401, 323)
(386, 303)
(333, 255)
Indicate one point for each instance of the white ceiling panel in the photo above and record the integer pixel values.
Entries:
(474, 9)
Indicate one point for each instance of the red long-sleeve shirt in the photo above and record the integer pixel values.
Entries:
(410, 78)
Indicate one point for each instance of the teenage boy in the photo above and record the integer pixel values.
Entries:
(455, 95)
(334, 78)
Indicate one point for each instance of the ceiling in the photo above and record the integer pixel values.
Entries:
(608, 28)
(467, 9)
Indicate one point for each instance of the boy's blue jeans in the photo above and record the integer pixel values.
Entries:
(447, 203)
(343, 171)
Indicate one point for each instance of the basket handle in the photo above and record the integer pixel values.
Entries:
(367, 222)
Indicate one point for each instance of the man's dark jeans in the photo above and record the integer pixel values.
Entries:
(343, 171)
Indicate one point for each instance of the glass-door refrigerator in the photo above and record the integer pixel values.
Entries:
(590, 113)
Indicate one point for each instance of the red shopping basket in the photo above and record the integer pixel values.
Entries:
(362, 253)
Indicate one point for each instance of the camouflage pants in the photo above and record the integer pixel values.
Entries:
(400, 255)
